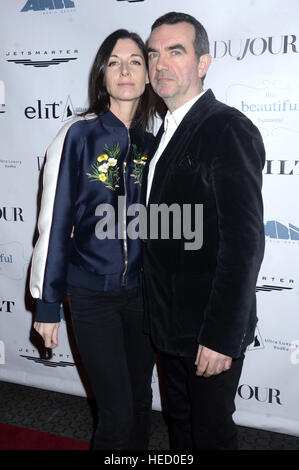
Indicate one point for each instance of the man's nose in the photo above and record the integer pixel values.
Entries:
(161, 63)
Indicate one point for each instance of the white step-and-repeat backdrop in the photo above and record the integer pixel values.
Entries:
(46, 50)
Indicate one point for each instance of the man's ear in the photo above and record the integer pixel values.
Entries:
(146, 78)
(203, 64)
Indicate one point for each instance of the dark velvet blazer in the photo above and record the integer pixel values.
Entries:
(207, 296)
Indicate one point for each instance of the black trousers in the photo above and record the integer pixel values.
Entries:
(119, 359)
(200, 408)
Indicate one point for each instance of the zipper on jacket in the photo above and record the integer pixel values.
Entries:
(123, 282)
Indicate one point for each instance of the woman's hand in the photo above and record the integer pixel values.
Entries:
(49, 333)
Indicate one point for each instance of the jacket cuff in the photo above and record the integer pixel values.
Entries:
(221, 340)
(47, 312)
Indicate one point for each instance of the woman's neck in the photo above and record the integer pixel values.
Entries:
(124, 110)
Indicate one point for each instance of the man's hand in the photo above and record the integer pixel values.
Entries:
(210, 362)
(49, 333)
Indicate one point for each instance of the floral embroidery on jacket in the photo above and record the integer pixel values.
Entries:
(106, 169)
(139, 161)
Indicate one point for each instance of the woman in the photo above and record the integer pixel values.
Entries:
(96, 162)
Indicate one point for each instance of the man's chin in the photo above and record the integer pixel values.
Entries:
(163, 92)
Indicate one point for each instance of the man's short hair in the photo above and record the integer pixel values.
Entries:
(201, 42)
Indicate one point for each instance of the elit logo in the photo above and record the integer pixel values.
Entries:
(239, 49)
(40, 162)
(2, 97)
(7, 306)
(257, 342)
(130, 1)
(278, 231)
(56, 110)
(2, 353)
(41, 5)
(282, 167)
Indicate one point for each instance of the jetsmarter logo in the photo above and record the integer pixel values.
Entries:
(40, 5)
(158, 215)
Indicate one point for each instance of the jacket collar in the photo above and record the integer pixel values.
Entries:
(198, 113)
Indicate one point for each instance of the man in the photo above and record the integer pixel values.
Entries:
(201, 302)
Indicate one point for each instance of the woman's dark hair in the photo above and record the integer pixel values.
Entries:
(99, 99)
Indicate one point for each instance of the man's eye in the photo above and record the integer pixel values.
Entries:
(175, 52)
(152, 55)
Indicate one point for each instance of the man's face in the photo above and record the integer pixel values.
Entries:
(174, 70)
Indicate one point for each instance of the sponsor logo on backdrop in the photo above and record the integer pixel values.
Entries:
(40, 162)
(7, 306)
(10, 163)
(2, 97)
(294, 358)
(239, 49)
(282, 345)
(2, 352)
(281, 167)
(63, 110)
(257, 342)
(273, 107)
(49, 363)
(278, 232)
(48, 6)
(273, 284)
(260, 394)
(13, 263)
(11, 214)
(57, 359)
(42, 58)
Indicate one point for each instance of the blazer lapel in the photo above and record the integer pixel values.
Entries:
(195, 117)
(152, 152)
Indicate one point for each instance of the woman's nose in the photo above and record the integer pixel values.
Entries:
(124, 70)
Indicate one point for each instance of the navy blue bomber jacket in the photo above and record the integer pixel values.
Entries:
(93, 161)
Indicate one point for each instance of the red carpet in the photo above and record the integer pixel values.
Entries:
(18, 438)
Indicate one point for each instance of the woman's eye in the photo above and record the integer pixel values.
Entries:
(112, 63)
(136, 62)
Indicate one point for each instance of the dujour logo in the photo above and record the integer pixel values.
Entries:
(261, 394)
(239, 49)
(11, 214)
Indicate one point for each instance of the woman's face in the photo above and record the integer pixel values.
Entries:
(126, 73)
